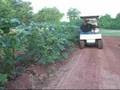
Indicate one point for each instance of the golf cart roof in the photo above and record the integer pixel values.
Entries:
(89, 17)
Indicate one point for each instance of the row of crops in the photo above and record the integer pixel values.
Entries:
(41, 43)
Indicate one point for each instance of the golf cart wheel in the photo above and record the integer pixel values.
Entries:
(100, 44)
(82, 44)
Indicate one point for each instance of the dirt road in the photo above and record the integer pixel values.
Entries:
(91, 68)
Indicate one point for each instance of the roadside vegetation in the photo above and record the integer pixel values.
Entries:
(110, 26)
(107, 22)
(27, 38)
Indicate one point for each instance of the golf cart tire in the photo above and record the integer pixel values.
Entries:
(100, 44)
(82, 44)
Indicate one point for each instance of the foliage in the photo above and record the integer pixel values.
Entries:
(8, 46)
(47, 44)
(74, 16)
(15, 9)
(108, 22)
(41, 37)
(5, 9)
(23, 11)
(3, 79)
(51, 15)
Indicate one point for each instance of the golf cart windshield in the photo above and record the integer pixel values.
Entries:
(90, 21)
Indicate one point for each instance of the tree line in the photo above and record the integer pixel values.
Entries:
(108, 22)
(23, 11)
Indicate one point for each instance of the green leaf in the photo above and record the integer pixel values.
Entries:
(3, 79)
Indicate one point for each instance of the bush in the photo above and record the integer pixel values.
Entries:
(46, 44)
(3, 79)
(8, 46)
(41, 43)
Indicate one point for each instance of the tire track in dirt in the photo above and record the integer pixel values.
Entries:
(109, 64)
(92, 68)
(85, 74)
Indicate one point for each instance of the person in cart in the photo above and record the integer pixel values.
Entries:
(86, 27)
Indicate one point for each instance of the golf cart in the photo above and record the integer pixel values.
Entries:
(95, 37)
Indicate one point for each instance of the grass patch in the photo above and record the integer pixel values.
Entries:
(110, 32)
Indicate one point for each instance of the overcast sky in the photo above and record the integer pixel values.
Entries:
(86, 7)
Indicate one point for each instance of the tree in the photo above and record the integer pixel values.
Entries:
(117, 21)
(73, 14)
(23, 11)
(6, 10)
(105, 21)
(15, 9)
(118, 16)
(48, 15)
